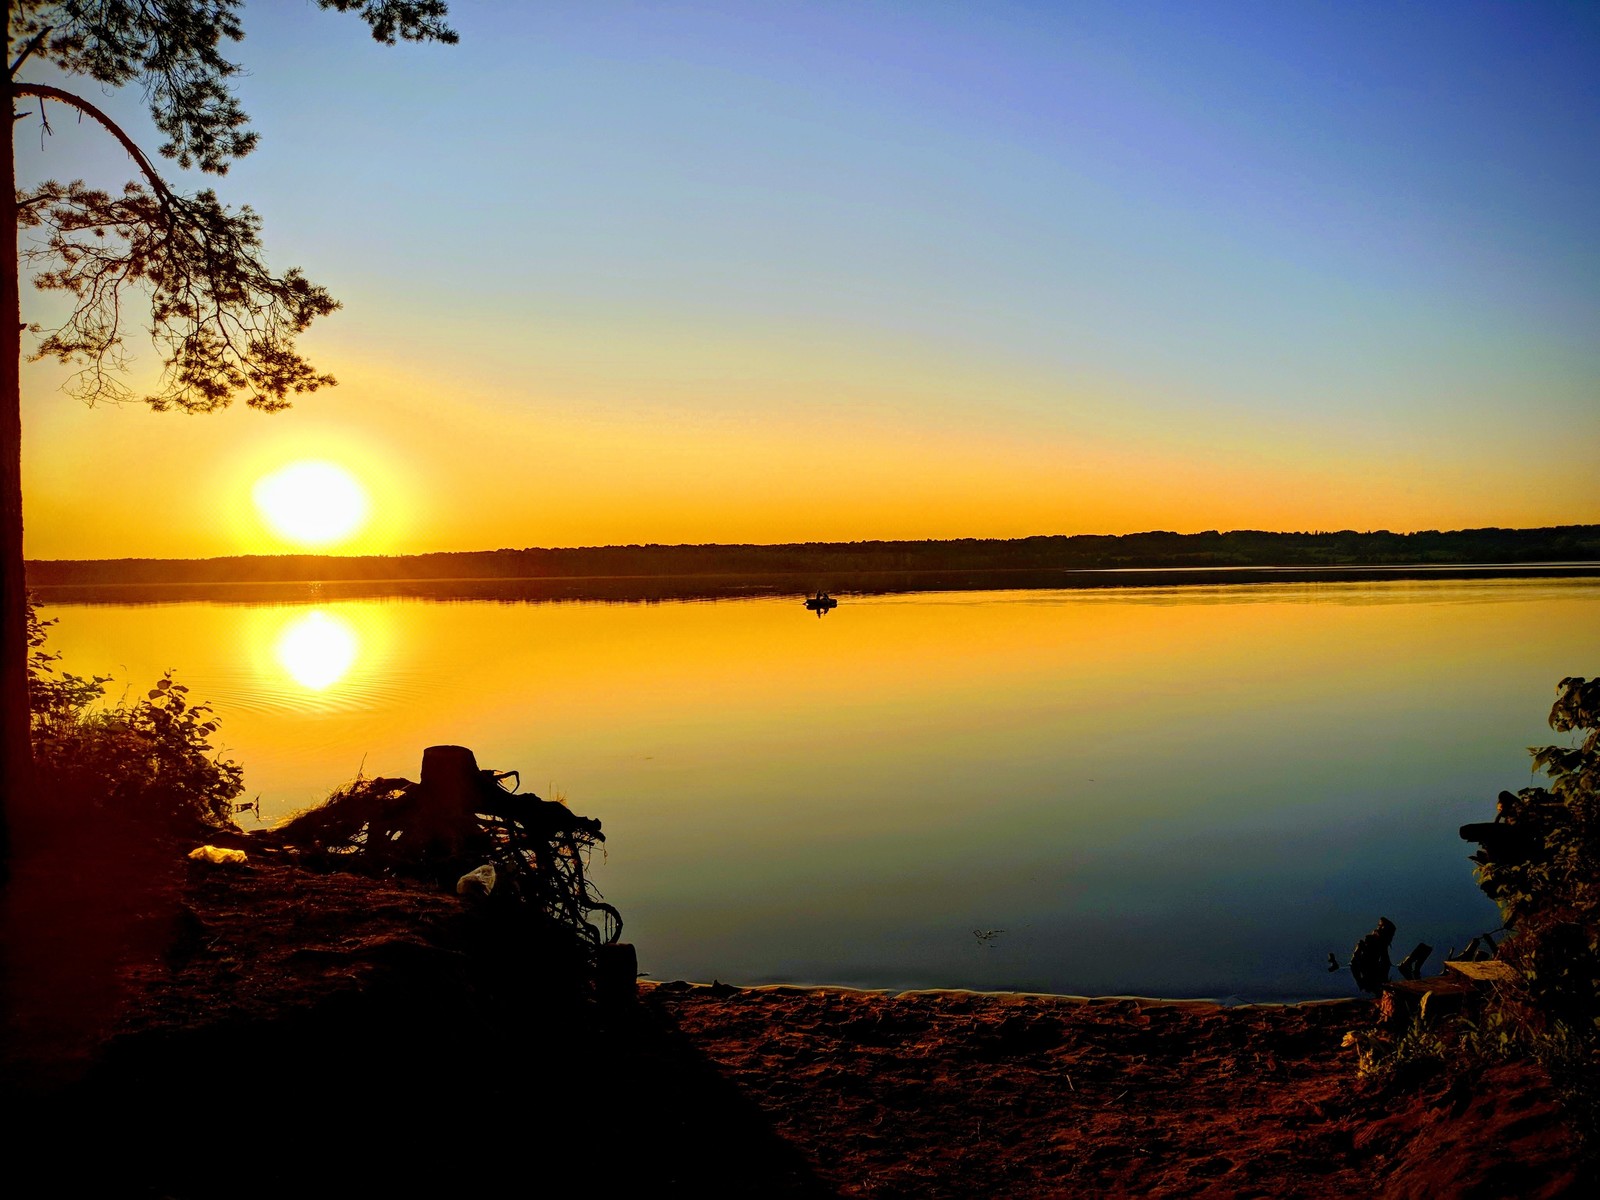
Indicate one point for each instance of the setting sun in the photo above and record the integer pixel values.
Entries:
(312, 503)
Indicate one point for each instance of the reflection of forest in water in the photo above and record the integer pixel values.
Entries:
(1192, 583)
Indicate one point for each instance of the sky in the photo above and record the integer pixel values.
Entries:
(777, 271)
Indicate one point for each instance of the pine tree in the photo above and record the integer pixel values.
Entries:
(224, 324)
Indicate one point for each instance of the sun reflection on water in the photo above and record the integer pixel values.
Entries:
(317, 650)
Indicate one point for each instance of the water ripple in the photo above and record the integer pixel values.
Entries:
(244, 692)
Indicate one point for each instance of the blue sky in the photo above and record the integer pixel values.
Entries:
(777, 271)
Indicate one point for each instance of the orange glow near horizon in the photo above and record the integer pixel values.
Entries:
(569, 466)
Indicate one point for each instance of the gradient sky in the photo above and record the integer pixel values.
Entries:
(771, 271)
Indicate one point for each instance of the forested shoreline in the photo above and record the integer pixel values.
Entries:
(824, 560)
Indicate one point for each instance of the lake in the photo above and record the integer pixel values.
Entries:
(1172, 791)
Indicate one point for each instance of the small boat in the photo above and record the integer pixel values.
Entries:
(821, 603)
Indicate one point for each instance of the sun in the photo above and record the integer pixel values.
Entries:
(312, 503)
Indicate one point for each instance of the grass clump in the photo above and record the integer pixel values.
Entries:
(1507, 1026)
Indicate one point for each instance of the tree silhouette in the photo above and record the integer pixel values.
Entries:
(224, 323)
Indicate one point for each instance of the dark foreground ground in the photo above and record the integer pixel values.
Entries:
(268, 1030)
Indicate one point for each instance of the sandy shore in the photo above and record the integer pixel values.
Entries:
(273, 1031)
(965, 1094)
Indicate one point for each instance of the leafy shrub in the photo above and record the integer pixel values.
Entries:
(1539, 860)
(149, 760)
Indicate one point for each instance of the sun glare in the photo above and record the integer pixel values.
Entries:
(317, 650)
(312, 503)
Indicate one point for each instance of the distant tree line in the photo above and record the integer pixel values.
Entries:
(826, 561)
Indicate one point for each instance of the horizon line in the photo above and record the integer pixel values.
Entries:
(1309, 533)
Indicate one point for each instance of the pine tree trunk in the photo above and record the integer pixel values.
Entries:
(16, 757)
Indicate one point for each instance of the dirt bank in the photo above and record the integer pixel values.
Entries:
(269, 1030)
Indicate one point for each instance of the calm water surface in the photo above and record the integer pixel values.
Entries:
(1186, 792)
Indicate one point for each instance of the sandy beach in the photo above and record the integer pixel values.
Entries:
(268, 1027)
(963, 1094)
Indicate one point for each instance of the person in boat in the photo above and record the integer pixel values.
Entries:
(1369, 961)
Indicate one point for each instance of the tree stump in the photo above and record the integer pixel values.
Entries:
(442, 823)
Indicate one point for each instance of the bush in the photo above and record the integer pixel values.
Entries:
(150, 760)
(1539, 860)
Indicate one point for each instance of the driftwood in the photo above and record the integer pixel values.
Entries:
(457, 818)
(1410, 967)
